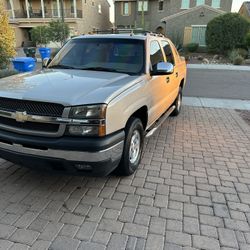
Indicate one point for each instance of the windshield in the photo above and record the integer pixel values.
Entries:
(102, 54)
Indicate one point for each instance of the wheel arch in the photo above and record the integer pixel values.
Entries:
(182, 83)
(142, 114)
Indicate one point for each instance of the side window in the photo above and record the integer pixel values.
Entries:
(216, 3)
(168, 52)
(156, 55)
(185, 4)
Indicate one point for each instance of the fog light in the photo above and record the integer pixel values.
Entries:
(86, 130)
(83, 166)
(83, 130)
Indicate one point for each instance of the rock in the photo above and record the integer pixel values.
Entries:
(200, 58)
(216, 57)
(205, 61)
(247, 61)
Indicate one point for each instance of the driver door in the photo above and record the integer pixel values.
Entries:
(159, 85)
(173, 84)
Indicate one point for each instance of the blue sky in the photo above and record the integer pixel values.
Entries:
(235, 7)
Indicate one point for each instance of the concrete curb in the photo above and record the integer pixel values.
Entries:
(218, 67)
(217, 103)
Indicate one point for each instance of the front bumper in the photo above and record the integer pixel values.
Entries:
(89, 156)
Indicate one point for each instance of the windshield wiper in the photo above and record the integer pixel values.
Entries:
(101, 69)
(61, 66)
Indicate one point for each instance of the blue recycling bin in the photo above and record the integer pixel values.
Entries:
(24, 64)
(45, 52)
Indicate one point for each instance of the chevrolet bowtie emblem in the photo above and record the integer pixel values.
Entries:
(21, 116)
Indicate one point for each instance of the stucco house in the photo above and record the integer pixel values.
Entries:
(190, 25)
(175, 18)
(82, 16)
(245, 10)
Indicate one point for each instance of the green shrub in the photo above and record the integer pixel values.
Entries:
(235, 57)
(7, 38)
(56, 31)
(242, 52)
(192, 47)
(226, 32)
(59, 31)
(247, 40)
(238, 60)
(40, 35)
(7, 72)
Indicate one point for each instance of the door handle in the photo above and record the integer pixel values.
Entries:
(176, 74)
(167, 79)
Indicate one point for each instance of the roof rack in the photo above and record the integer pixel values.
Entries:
(128, 31)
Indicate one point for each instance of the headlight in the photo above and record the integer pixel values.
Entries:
(90, 111)
(94, 117)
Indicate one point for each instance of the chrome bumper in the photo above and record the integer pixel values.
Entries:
(112, 153)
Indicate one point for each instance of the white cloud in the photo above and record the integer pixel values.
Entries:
(236, 5)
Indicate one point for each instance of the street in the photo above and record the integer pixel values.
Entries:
(213, 83)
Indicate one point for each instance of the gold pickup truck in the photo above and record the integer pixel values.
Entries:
(89, 109)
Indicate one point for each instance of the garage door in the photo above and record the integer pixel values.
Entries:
(199, 34)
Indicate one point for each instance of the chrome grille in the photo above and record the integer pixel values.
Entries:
(30, 126)
(31, 107)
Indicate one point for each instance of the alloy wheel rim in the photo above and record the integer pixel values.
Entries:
(135, 145)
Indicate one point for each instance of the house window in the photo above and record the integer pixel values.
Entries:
(8, 5)
(216, 3)
(55, 9)
(199, 34)
(125, 8)
(185, 4)
(143, 6)
(200, 2)
(99, 8)
(160, 7)
(72, 7)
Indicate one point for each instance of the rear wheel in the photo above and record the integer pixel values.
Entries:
(177, 103)
(132, 147)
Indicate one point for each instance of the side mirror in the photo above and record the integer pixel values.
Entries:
(163, 68)
(46, 61)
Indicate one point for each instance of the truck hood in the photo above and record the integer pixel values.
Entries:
(67, 87)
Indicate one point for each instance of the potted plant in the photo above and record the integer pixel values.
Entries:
(40, 35)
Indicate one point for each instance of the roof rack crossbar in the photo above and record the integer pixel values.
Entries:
(127, 31)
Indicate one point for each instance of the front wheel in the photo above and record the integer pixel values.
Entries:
(132, 147)
(177, 103)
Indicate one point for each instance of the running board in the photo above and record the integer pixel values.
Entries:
(159, 122)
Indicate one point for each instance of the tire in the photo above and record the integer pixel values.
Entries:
(177, 103)
(134, 137)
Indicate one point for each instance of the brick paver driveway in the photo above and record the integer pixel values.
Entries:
(191, 191)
